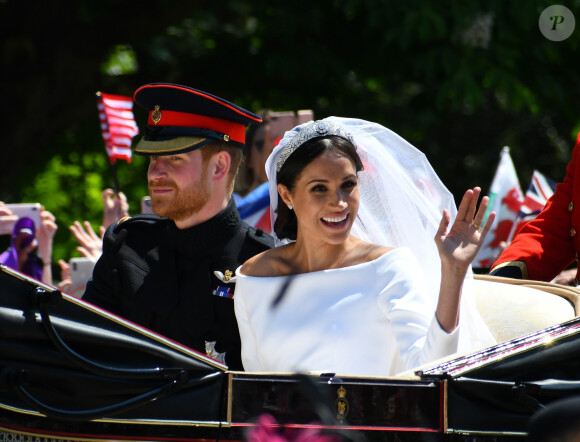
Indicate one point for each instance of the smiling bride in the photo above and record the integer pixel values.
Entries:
(367, 276)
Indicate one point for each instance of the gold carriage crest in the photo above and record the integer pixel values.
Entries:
(341, 405)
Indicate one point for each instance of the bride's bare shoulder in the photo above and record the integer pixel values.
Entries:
(267, 263)
(370, 252)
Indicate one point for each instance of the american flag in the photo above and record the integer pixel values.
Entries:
(541, 188)
(117, 125)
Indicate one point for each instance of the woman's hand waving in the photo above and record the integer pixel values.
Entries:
(458, 247)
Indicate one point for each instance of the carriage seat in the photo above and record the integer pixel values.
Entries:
(515, 307)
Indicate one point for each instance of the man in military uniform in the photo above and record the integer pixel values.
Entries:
(174, 272)
(549, 243)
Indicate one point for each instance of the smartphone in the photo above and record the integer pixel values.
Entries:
(280, 123)
(146, 205)
(81, 269)
(27, 210)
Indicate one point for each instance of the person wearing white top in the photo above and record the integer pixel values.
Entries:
(350, 287)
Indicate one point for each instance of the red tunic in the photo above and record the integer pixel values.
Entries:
(549, 243)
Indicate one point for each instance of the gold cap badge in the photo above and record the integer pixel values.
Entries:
(156, 115)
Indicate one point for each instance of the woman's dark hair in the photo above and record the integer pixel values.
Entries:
(286, 225)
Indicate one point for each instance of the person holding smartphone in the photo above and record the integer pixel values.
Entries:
(20, 255)
(30, 250)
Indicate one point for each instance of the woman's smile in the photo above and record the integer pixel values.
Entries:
(336, 221)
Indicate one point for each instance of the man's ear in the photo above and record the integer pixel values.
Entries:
(221, 163)
(284, 194)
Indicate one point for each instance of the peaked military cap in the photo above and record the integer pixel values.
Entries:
(182, 119)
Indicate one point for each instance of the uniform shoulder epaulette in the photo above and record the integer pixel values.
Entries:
(261, 237)
(141, 219)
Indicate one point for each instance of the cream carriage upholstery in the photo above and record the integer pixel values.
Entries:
(514, 307)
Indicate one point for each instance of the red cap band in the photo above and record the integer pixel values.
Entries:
(236, 131)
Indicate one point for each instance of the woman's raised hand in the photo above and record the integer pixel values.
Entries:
(458, 247)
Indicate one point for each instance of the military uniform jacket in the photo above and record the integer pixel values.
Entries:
(177, 282)
(549, 243)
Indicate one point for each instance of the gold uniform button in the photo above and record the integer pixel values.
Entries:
(572, 232)
(571, 206)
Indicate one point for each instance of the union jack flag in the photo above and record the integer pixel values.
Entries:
(117, 125)
(541, 188)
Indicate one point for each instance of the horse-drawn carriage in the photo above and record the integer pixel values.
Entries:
(71, 371)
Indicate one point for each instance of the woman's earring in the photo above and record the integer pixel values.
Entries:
(290, 206)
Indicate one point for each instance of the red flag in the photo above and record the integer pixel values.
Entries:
(117, 125)
(505, 199)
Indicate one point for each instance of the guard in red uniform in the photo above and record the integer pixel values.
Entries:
(549, 243)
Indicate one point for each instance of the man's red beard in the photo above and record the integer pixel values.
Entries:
(181, 203)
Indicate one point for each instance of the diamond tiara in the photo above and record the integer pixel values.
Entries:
(314, 129)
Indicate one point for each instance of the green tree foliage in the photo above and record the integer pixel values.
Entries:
(71, 187)
(458, 79)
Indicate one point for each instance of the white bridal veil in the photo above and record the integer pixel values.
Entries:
(401, 204)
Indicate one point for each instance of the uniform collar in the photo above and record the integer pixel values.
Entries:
(220, 226)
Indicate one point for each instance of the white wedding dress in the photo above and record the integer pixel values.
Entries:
(370, 319)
